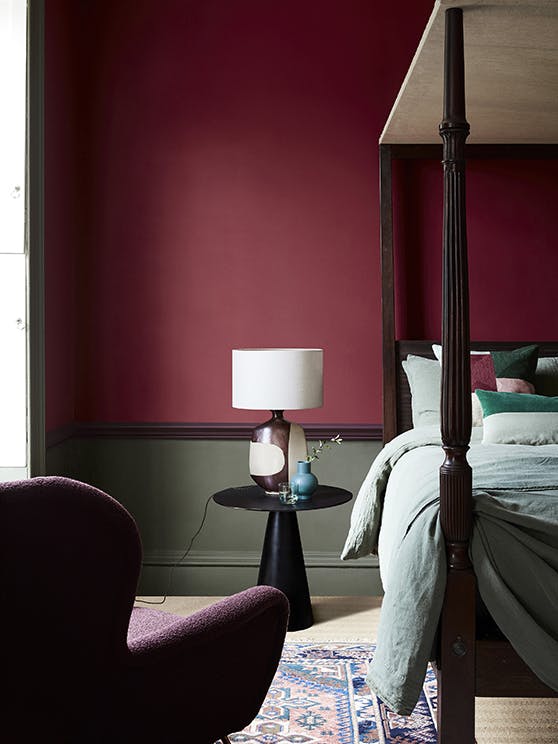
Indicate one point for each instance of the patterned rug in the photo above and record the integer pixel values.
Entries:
(320, 696)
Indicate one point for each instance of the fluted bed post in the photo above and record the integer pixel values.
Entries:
(456, 660)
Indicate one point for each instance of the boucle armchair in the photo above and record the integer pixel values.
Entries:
(80, 664)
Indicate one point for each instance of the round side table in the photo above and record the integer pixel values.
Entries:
(282, 562)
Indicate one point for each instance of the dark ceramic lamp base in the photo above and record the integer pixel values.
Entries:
(275, 449)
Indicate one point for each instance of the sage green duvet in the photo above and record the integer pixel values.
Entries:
(514, 550)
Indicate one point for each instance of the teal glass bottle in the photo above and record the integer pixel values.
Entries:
(303, 482)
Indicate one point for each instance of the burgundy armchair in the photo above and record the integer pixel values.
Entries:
(80, 665)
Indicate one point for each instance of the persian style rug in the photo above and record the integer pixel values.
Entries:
(319, 696)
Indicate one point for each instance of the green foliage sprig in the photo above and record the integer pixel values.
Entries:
(323, 445)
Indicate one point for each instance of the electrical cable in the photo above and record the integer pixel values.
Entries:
(179, 561)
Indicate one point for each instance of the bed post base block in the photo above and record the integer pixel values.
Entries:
(455, 663)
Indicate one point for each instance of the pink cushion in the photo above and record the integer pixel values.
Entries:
(513, 385)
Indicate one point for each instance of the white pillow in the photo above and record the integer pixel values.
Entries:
(437, 349)
(476, 410)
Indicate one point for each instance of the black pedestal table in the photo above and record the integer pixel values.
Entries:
(282, 561)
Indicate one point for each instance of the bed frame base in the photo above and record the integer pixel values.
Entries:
(501, 672)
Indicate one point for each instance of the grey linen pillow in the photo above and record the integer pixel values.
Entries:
(424, 376)
(546, 376)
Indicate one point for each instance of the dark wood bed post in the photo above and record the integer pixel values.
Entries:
(389, 364)
(456, 658)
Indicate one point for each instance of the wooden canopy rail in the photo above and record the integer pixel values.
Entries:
(465, 666)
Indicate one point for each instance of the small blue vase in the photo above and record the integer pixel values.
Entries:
(303, 482)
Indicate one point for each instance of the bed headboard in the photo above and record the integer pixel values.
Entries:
(401, 413)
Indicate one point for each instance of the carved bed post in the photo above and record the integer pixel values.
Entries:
(390, 369)
(456, 658)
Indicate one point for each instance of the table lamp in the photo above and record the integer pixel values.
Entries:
(276, 380)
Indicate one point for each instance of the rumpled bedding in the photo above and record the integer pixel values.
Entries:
(514, 550)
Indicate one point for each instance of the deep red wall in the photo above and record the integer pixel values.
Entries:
(232, 185)
(219, 189)
(512, 224)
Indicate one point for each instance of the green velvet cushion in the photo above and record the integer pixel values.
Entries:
(519, 363)
(519, 418)
(515, 403)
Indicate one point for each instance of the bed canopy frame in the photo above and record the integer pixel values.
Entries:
(466, 665)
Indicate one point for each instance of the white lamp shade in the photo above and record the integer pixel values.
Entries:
(277, 379)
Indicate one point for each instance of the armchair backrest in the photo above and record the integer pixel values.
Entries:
(69, 564)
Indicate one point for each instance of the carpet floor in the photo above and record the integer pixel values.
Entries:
(355, 619)
(320, 696)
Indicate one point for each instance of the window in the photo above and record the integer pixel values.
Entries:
(13, 258)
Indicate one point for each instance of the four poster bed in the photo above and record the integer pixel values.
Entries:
(457, 517)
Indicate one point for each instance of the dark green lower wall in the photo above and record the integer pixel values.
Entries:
(165, 485)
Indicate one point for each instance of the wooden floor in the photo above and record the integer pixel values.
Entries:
(499, 720)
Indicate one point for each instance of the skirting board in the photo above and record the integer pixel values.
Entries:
(215, 573)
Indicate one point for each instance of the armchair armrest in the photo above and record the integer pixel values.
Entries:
(211, 671)
(209, 625)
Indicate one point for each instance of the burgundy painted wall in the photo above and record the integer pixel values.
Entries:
(512, 224)
(225, 174)
(233, 199)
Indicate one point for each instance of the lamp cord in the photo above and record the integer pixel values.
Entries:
(179, 561)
